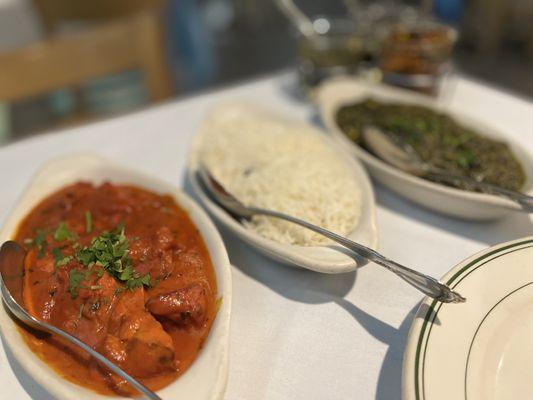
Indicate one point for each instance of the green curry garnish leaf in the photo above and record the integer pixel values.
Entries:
(58, 255)
(110, 250)
(40, 242)
(85, 256)
(465, 158)
(138, 281)
(75, 280)
(88, 222)
(60, 259)
(62, 233)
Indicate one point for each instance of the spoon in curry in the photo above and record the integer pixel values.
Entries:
(11, 275)
(426, 284)
(400, 154)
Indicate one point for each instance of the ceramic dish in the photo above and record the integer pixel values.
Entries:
(206, 378)
(482, 349)
(327, 259)
(459, 203)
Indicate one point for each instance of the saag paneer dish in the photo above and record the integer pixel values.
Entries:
(125, 271)
(438, 140)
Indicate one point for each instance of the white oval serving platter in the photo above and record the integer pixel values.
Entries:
(326, 259)
(334, 94)
(207, 376)
(481, 349)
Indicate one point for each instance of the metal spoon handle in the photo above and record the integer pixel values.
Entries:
(424, 283)
(395, 150)
(131, 380)
(302, 22)
(523, 200)
(29, 319)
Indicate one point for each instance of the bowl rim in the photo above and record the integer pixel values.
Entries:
(328, 109)
(279, 251)
(218, 338)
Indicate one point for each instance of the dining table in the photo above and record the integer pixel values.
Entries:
(295, 334)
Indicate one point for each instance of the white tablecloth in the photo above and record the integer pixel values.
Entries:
(295, 334)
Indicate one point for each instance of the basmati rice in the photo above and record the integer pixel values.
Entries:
(268, 162)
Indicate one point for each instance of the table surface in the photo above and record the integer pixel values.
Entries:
(295, 334)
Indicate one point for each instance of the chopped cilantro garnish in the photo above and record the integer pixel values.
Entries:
(60, 259)
(58, 255)
(64, 261)
(465, 158)
(85, 256)
(40, 242)
(88, 222)
(126, 273)
(62, 233)
(138, 281)
(110, 250)
(146, 280)
(75, 280)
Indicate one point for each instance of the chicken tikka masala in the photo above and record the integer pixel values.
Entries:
(125, 271)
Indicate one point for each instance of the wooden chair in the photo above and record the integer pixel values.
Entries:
(55, 12)
(67, 61)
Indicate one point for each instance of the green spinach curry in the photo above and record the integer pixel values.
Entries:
(438, 139)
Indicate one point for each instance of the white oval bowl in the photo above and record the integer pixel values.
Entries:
(206, 378)
(336, 93)
(327, 259)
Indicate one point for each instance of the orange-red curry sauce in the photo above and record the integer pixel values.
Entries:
(153, 329)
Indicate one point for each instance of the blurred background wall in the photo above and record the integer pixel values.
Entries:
(66, 62)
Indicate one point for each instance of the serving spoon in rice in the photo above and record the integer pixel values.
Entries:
(426, 284)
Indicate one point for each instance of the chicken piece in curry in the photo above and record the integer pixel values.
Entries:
(125, 271)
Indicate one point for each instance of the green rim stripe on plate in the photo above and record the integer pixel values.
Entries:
(468, 272)
(432, 310)
(497, 254)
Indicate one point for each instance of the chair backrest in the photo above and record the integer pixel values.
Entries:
(69, 60)
(55, 12)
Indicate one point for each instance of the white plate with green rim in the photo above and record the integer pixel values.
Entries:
(481, 349)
